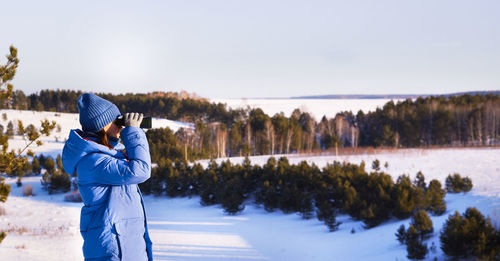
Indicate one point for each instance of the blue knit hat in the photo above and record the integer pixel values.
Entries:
(96, 112)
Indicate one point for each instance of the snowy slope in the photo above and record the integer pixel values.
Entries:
(317, 107)
(183, 230)
(480, 163)
(66, 121)
(44, 227)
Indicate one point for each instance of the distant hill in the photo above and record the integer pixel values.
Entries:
(391, 96)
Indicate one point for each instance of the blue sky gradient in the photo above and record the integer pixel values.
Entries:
(258, 48)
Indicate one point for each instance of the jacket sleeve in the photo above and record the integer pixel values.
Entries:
(105, 169)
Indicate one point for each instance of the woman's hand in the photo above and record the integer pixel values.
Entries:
(133, 119)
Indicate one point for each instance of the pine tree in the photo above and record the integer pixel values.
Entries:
(456, 183)
(352, 204)
(306, 208)
(49, 165)
(59, 181)
(470, 236)
(435, 198)
(10, 130)
(54, 179)
(452, 238)
(287, 200)
(328, 214)
(422, 223)
(4, 190)
(467, 184)
(233, 198)
(450, 185)
(404, 197)
(401, 234)
(172, 181)
(2, 236)
(208, 185)
(20, 128)
(35, 166)
(59, 162)
(420, 180)
(419, 198)
(42, 159)
(477, 232)
(7, 73)
(376, 165)
(414, 246)
(270, 196)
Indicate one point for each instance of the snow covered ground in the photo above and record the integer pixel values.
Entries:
(317, 107)
(479, 163)
(44, 227)
(53, 144)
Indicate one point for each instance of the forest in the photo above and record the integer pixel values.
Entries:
(464, 120)
(370, 196)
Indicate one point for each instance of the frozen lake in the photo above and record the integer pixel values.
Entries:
(317, 107)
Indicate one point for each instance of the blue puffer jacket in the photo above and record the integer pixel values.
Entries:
(113, 221)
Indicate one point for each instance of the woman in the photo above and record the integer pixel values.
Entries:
(113, 221)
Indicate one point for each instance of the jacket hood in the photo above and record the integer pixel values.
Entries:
(77, 147)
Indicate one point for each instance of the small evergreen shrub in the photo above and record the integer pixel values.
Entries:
(422, 223)
(56, 182)
(35, 166)
(435, 198)
(328, 214)
(414, 244)
(456, 184)
(401, 234)
(419, 230)
(55, 179)
(2, 236)
(471, 236)
(4, 190)
(376, 165)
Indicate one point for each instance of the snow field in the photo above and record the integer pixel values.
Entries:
(481, 164)
(181, 229)
(44, 227)
(53, 144)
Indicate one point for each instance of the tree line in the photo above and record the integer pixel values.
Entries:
(456, 120)
(466, 120)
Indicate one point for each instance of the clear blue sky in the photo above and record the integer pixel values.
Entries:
(254, 48)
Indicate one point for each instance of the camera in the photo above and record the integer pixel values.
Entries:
(146, 122)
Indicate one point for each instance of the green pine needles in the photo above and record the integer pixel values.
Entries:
(372, 197)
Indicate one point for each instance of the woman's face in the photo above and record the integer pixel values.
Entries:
(113, 130)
